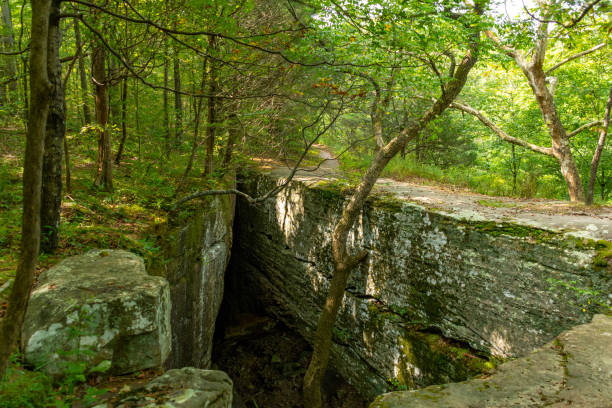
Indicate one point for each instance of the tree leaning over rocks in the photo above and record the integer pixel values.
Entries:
(344, 260)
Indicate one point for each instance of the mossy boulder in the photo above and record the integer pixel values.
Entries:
(100, 308)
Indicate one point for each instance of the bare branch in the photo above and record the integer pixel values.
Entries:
(585, 9)
(502, 135)
(287, 180)
(575, 56)
(583, 127)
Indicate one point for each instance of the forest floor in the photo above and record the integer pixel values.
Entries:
(593, 222)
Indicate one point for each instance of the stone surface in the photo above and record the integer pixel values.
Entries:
(183, 388)
(97, 308)
(437, 291)
(196, 253)
(573, 370)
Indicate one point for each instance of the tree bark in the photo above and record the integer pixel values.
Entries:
(598, 151)
(343, 261)
(124, 91)
(82, 75)
(178, 103)
(51, 199)
(9, 45)
(212, 111)
(104, 175)
(166, 112)
(40, 88)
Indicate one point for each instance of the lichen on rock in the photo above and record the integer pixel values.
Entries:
(97, 307)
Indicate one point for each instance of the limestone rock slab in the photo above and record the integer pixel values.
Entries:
(100, 307)
(575, 369)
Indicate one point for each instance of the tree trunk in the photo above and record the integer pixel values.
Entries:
(178, 103)
(231, 139)
(560, 141)
(9, 45)
(166, 112)
(212, 111)
(51, 199)
(113, 92)
(10, 326)
(195, 142)
(82, 75)
(124, 91)
(598, 151)
(67, 165)
(343, 261)
(104, 176)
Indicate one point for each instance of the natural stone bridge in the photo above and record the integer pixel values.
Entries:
(440, 293)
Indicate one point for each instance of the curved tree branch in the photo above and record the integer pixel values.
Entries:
(502, 135)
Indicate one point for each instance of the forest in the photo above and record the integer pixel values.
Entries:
(117, 117)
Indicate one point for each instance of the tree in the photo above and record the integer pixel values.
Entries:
(54, 138)
(9, 45)
(543, 87)
(104, 171)
(40, 92)
(450, 86)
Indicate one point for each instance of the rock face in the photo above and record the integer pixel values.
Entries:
(185, 388)
(99, 308)
(196, 254)
(573, 370)
(436, 292)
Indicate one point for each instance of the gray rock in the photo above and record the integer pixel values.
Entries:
(196, 253)
(100, 308)
(183, 388)
(573, 370)
(436, 291)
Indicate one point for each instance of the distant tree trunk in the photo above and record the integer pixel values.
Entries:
(166, 112)
(124, 91)
(178, 103)
(603, 181)
(137, 115)
(195, 143)
(67, 165)
(113, 92)
(104, 175)
(9, 45)
(212, 110)
(10, 326)
(231, 139)
(51, 199)
(515, 168)
(82, 74)
(598, 151)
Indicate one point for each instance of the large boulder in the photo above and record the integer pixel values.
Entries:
(575, 369)
(183, 388)
(100, 308)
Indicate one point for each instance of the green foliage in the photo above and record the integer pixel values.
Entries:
(22, 388)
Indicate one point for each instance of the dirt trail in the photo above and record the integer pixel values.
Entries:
(552, 215)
